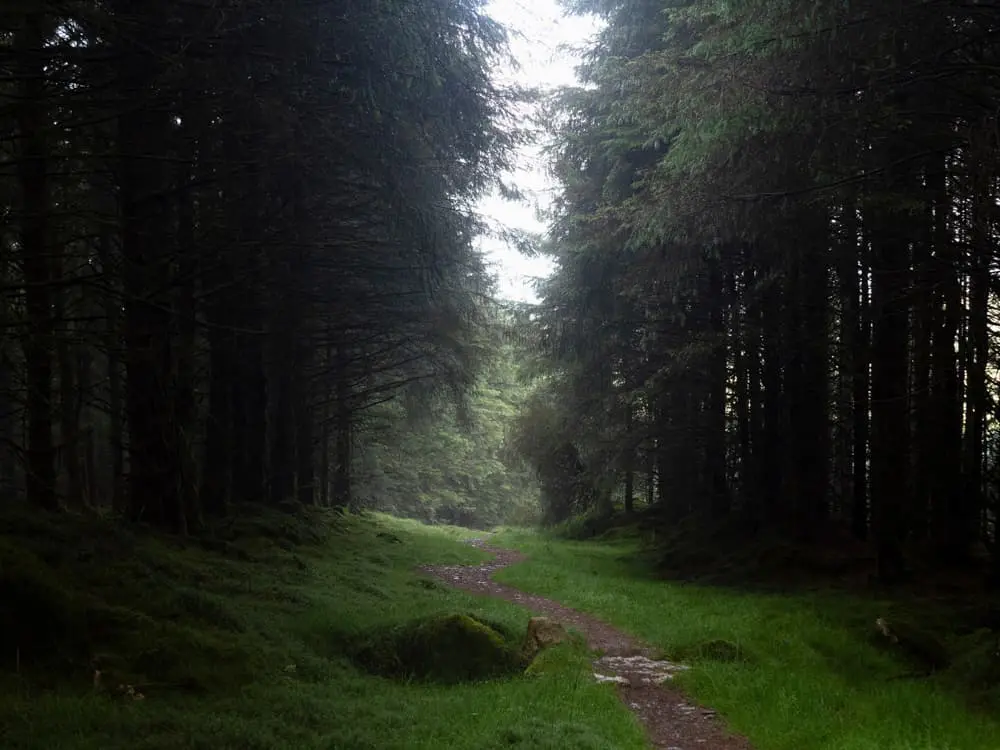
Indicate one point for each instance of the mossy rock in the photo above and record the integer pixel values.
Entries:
(717, 649)
(543, 633)
(445, 649)
(557, 659)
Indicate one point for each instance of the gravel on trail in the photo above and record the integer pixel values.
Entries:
(671, 720)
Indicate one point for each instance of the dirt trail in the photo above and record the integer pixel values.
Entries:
(672, 722)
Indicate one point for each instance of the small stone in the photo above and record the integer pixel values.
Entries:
(611, 678)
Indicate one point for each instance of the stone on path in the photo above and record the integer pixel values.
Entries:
(635, 670)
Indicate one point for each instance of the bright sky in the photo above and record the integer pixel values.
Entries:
(540, 38)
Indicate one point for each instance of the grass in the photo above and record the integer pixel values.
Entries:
(243, 641)
(806, 675)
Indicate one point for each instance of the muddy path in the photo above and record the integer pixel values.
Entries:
(671, 720)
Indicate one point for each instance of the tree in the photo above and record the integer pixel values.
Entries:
(790, 216)
(230, 233)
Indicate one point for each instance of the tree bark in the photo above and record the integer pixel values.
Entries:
(890, 421)
(32, 172)
(143, 131)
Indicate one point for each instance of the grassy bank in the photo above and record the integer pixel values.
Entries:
(791, 672)
(243, 641)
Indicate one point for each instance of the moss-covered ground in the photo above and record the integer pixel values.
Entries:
(793, 671)
(251, 638)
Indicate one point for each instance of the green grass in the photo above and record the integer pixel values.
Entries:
(808, 677)
(244, 642)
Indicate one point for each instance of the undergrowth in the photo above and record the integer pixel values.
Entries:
(789, 670)
(247, 638)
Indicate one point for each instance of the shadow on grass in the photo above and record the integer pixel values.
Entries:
(246, 637)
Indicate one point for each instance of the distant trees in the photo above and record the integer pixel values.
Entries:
(776, 244)
(448, 466)
(227, 231)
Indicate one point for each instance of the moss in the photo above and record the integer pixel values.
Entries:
(446, 649)
(555, 659)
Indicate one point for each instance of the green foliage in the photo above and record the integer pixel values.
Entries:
(445, 465)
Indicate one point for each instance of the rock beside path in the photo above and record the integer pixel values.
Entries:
(542, 633)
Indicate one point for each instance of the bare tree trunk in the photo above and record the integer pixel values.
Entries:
(922, 413)
(32, 172)
(969, 503)
(861, 505)
(715, 401)
(146, 228)
(741, 385)
(945, 470)
(848, 283)
(890, 424)
(185, 311)
(342, 490)
(813, 433)
(305, 450)
(69, 409)
(629, 461)
(112, 346)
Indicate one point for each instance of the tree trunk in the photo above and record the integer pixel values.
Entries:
(946, 398)
(847, 360)
(715, 402)
(969, 503)
(812, 436)
(741, 388)
(69, 408)
(112, 347)
(305, 450)
(342, 490)
(922, 413)
(143, 131)
(185, 313)
(32, 173)
(629, 461)
(773, 430)
(890, 421)
(861, 504)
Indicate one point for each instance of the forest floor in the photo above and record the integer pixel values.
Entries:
(248, 638)
(797, 670)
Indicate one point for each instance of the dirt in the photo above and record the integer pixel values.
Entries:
(671, 720)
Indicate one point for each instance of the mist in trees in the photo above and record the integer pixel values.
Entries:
(442, 465)
(236, 238)
(775, 298)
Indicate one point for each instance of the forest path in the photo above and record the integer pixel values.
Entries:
(672, 722)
